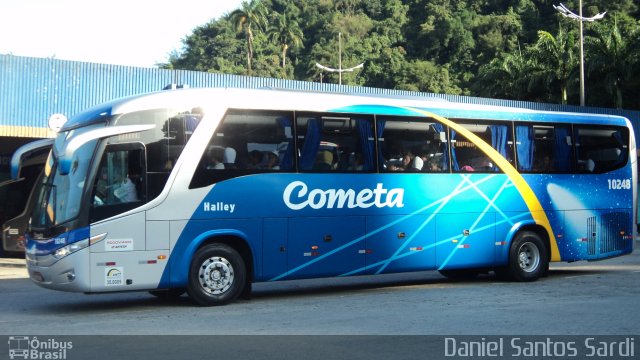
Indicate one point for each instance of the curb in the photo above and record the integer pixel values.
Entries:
(12, 263)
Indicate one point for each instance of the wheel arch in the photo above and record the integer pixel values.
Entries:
(232, 238)
(239, 244)
(528, 226)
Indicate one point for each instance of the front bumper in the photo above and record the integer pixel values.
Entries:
(51, 273)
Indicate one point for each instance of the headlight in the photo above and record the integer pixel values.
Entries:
(71, 248)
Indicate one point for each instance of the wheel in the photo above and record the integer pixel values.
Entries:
(528, 257)
(168, 294)
(217, 275)
(460, 274)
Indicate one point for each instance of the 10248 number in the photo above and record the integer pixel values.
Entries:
(619, 184)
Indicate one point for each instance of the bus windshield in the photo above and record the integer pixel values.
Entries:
(59, 197)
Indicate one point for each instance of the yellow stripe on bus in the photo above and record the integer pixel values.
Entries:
(530, 198)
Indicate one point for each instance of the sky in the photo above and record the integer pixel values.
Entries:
(120, 32)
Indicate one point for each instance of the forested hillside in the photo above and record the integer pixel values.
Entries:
(510, 49)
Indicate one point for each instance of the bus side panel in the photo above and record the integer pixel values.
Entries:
(465, 240)
(325, 246)
(121, 261)
(125, 271)
(597, 234)
(575, 242)
(176, 228)
(275, 247)
(158, 235)
(400, 243)
(594, 209)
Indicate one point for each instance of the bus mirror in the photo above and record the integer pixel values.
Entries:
(56, 121)
(25, 153)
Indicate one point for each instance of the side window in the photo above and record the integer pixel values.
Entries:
(466, 156)
(601, 149)
(247, 142)
(336, 142)
(544, 148)
(119, 183)
(164, 143)
(412, 145)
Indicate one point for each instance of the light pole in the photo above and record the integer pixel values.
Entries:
(339, 70)
(578, 17)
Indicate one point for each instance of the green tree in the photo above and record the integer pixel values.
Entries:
(612, 58)
(420, 75)
(212, 47)
(469, 47)
(251, 16)
(285, 33)
(557, 60)
(506, 77)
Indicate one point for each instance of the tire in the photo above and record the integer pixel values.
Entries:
(217, 275)
(460, 274)
(528, 257)
(168, 294)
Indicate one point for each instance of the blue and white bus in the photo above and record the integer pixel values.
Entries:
(209, 190)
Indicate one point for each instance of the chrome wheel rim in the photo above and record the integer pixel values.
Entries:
(216, 275)
(528, 257)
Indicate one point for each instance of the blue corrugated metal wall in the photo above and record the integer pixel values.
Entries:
(31, 89)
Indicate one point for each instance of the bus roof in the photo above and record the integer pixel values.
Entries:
(277, 99)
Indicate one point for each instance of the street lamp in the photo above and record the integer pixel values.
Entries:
(339, 70)
(564, 11)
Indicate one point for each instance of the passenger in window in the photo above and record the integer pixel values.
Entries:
(273, 160)
(394, 166)
(255, 160)
(215, 156)
(407, 160)
(432, 165)
(124, 189)
(545, 165)
(324, 161)
(404, 165)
